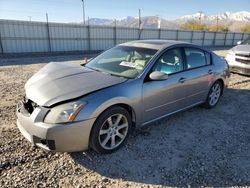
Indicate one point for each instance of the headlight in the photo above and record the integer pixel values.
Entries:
(64, 113)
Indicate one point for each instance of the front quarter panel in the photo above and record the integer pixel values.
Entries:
(128, 93)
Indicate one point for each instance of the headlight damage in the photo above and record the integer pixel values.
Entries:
(64, 113)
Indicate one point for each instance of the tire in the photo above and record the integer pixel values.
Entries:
(110, 130)
(214, 95)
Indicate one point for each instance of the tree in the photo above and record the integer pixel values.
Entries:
(246, 28)
(223, 28)
(193, 26)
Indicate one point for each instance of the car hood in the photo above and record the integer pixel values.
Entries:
(241, 49)
(57, 82)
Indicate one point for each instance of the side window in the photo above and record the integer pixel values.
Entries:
(195, 58)
(170, 62)
(208, 58)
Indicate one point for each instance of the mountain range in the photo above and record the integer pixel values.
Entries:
(233, 20)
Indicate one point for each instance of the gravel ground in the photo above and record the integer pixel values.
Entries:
(198, 147)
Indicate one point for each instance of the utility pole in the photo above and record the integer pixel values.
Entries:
(159, 23)
(88, 20)
(29, 18)
(48, 33)
(217, 23)
(140, 23)
(200, 17)
(83, 12)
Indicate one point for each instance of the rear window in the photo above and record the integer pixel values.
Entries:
(195, 58)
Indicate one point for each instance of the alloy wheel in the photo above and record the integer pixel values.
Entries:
(214, 94)
(113, 131)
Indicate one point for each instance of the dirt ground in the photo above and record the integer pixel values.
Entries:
(198, 147)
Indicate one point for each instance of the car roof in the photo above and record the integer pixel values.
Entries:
(152, 44)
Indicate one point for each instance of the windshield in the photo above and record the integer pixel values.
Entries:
(122, 61)
(247, 41)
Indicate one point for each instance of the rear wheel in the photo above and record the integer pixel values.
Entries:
(110, 130)
(214, 95)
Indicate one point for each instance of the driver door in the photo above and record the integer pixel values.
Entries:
(164, 97)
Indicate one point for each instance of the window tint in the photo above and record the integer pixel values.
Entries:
(170, 62)
(195, 58)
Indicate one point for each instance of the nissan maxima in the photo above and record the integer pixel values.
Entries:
(238, 57)
(96, 105)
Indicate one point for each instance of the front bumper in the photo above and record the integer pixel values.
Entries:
(68, 137)
(238, 67)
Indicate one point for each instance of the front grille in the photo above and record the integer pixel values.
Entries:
(245, 61)
(240, 70)
(243, 55)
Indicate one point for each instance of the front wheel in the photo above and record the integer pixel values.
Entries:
(214, 95)
(110, 130)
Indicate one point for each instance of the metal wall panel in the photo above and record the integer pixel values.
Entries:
(127, 33)
(168, 34)
(25, 36)
(219, 39)
(150, 34)
(197, 37)
(208, 42)
(246, 35)
(98, 32)
(99, 44)
(197, 42)
(185, 35)
(19, 37)
(209, 35)
(238, 36)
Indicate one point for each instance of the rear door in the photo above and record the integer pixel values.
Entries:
(198, 74)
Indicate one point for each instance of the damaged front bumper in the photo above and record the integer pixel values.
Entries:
(68, 137)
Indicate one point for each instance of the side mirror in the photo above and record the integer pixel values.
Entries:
(239, 42)
(85, 61)
(157, 75)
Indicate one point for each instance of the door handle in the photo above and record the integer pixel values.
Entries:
(210, 71)
(182, 80)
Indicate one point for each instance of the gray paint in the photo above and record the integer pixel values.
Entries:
(149, 100)
(58, 82)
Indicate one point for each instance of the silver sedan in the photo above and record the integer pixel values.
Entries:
(74, 107)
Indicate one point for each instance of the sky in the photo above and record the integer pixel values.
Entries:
(71, 10)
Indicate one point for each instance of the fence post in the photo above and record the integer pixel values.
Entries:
(177, 34)
(159, 33)
(242, 37)
(225, 39)
(233, 39)
(140, 31)
(48, 34)
(115, 40)
(192, 35)
(89, 40)
(214, 38)
(203, 38)
(1, 44)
